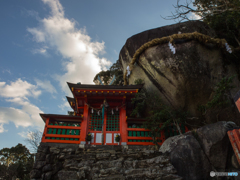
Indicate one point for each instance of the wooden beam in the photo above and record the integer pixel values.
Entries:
(137, 129)
(63, 127)
(62, 136)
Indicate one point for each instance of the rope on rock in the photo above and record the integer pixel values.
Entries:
(202, 38)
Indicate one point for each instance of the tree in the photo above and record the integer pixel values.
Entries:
(34, 138)
(221, 15)
(204, 8)
(106, 76)
(15, 162)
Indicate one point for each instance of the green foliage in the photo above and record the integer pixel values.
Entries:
(106, 76)
(16, 161)
(226, 25)
(138, 81)
(158, 113)
(71, 113)
(140, 102)
(220, 97)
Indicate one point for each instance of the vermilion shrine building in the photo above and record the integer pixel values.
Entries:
(100, 110)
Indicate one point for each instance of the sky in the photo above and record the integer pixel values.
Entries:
(46, 43)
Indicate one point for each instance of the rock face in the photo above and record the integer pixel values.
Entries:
(63, 162)
(185, 79)
(196, 153)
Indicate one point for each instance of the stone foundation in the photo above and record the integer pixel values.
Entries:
(69, 161)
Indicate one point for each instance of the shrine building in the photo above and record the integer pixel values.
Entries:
(103, 112)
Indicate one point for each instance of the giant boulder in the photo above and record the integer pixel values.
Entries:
(195, 154)
(183, 80)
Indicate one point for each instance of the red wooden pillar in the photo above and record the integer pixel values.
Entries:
(45, 130)
(104, 127)
(84, 125)
(123, 121)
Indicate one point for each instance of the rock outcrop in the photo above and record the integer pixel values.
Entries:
(183, 80)
(63, 162)
(195, 154)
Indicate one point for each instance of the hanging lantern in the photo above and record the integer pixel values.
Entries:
(112, 112)
(116, 108)
(92, 111)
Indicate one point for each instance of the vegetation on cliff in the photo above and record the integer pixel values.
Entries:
(158, 116)
(220, 96)
(107, 76)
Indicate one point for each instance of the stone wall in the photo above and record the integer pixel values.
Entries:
(68, 161)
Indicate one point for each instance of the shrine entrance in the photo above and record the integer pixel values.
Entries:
(109, 127)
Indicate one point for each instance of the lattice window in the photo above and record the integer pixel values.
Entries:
(113, 121)
(95, 123)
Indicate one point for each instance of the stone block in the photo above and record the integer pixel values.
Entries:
(64, 175)
(48, 176)
(49, 158)
(43, 149)
(104, 155)
(54, 150)
(40, 156)
(35, 174)
(47, 168)
(39, 164)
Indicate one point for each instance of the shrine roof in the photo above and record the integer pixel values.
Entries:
(70, 99)
(71, 102)
(60, 117)
(104, 87)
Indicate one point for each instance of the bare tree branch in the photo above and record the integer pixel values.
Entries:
(202, 8)
(34, 139)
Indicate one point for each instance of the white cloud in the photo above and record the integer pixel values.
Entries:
(2, 128)
(82, 61)
(38, 35)
(65, 106)
(18, 88)
(194, 16)
(18, 92)
(6, 70)
(46, 85)
(42, 51)
(24, 134)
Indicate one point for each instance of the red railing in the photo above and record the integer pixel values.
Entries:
(234, 136)
(61, 132)
(69, 132)
(142, 136)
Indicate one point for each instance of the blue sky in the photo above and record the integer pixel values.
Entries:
(45, 43)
